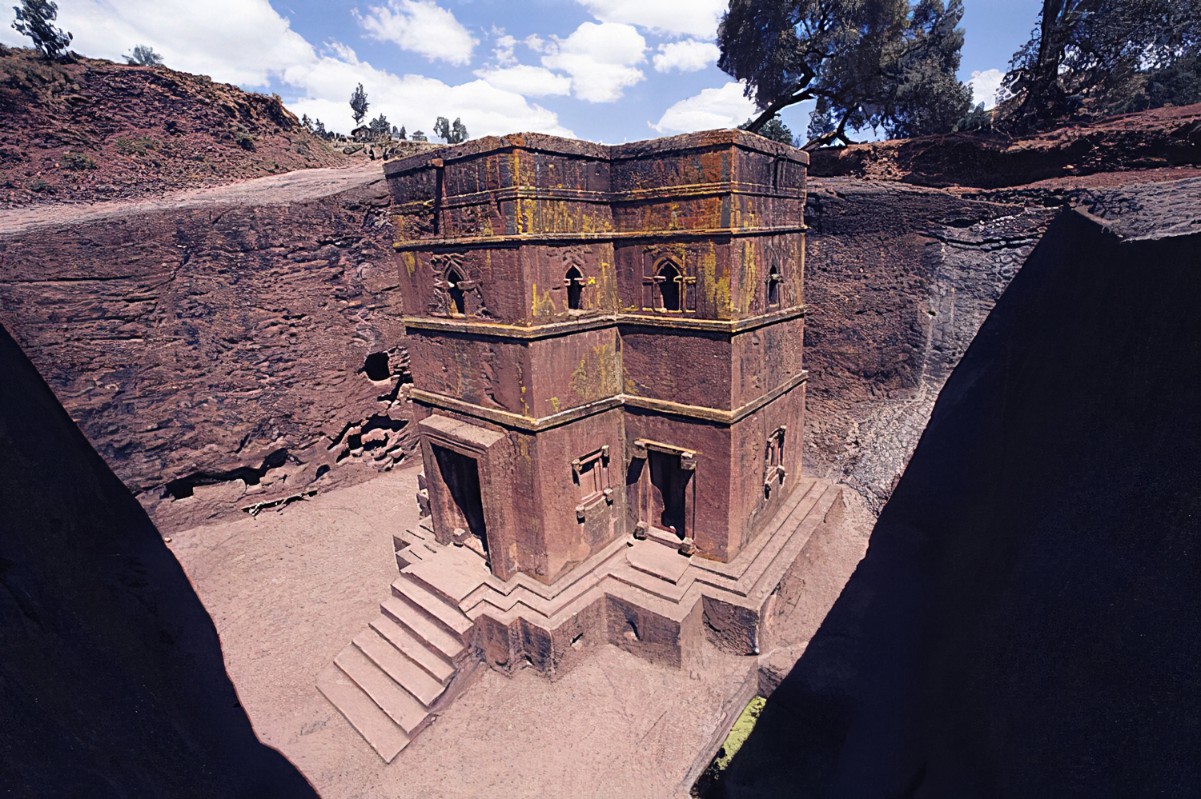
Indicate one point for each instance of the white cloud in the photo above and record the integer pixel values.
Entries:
(502, 50)
(414, 100)
(419, 26)
(246, 42)
(726, 107)
(234, 41)
(674, 17)
(686, 56)
(600, 59)
(527, 80)
(535, 43)
(985, 85)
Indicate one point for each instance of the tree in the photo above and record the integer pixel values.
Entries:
(866, 63)
(35, 19)
(359, 104)
(144, 56)
(419, 136)
(451, 133)
(402, 135)
(773, 129)
(380, 127)
(1104, 55)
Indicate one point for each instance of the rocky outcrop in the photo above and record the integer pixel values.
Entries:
(112, 678)
(900, 278)
(1156, 139)
(225, 351)
(95, 130)
(1024, 621)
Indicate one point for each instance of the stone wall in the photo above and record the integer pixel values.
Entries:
(226, 356)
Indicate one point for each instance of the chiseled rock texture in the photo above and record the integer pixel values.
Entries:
(899, 278)
(223, 350)
(1024, 623)
(112, 680)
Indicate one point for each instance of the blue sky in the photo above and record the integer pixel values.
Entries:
(606, 70)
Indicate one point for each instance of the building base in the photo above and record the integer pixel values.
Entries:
(447, 613)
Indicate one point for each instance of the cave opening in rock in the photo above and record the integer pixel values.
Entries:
(376, 367)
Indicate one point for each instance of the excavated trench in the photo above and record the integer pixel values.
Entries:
(1024, 623)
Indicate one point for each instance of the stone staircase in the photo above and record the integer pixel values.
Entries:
(419, 653)
(406, 665)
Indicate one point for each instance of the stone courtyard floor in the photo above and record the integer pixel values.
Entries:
(288, 590)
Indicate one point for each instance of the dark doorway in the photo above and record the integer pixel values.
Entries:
(461, 476)
(773, 285)
(454, 287)
(669, 287)
(669, 483)
(575, 288)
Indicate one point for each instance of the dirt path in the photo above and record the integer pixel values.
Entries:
(290, 187)
(288, 590)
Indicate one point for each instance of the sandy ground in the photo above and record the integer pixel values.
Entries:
(287, 590)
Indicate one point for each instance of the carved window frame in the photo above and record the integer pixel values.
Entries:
(580, 282)
(652, 295)
(775, 284)
(773, 460)
(591, 471)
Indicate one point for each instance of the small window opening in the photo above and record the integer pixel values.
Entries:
(669, 280)
(575, 288)
(773, 285)
(454, 287)
(376, 367)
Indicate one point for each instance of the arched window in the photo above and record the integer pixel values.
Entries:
(574, 280)
(773, 285)
(454, 287)
(669, 281)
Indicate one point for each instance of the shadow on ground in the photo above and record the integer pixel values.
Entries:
(1025, 622)
(112, 681)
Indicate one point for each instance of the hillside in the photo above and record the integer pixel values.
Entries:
(1159, 139)
(95, 130)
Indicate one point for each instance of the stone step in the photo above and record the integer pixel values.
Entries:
(448, 616)
(404, 672)
(415, 650)
(376, 727)
(399, 704)
(651, 557)
(425, 630)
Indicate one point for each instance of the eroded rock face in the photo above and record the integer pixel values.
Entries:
(1024, 621)
(225, 356)
(112, 678)
(899, 280)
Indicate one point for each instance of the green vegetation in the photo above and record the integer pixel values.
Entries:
(887, 64)
(708, 784)
(35, 19)
(144, 56)
(774, 129)
(1103, 57)
(359, 104)
(451, 133)
(77, 161)
(135, 145)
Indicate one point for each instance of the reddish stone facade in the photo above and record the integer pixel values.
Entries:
(605, 341)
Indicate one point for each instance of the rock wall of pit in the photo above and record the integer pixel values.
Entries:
(112, 681)
(1024, 623)
(225, 354)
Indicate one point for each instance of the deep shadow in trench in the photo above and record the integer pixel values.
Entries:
(1025, 622)
(112, 681)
